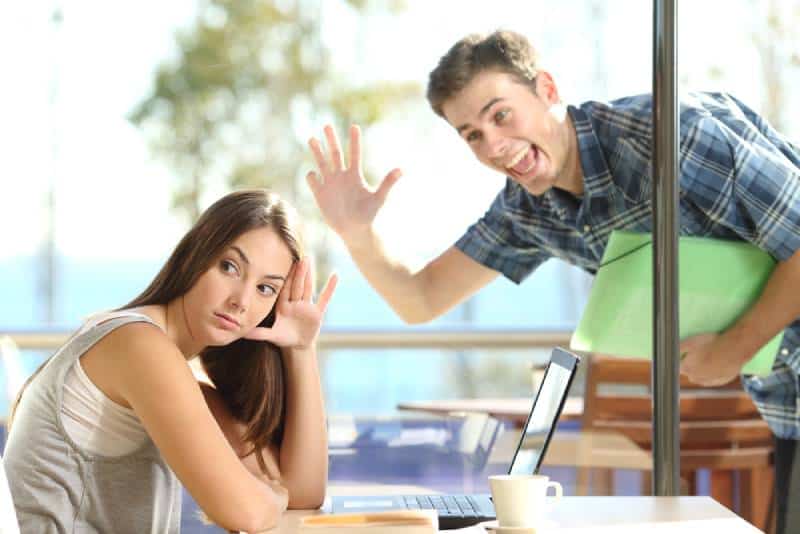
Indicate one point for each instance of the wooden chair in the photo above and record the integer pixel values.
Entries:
(720, 430)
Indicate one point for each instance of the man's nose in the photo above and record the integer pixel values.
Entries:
(496, 145)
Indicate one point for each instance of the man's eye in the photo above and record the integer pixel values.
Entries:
(473, 136)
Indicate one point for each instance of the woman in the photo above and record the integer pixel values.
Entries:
(102, 430)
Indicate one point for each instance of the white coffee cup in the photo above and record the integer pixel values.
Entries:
(519, 500)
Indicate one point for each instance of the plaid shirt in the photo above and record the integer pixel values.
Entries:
(739, 179)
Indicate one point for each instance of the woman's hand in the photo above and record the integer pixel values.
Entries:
(297, 317)
(347, 203)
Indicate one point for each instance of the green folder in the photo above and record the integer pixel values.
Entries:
(718, 280)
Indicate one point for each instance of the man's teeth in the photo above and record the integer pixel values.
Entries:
(519, 156)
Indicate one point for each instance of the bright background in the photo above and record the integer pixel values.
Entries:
(68, 87)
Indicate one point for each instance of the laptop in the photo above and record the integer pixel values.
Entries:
(457, 511)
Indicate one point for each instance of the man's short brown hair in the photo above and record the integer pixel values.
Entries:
(501, 51)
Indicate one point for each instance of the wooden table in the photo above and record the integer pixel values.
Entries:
(515, 410)
(598, 515)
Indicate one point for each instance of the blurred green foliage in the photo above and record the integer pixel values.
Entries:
(249, 74)
(777, 41)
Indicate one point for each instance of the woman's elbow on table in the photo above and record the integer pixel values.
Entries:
(307, 500)
(254, 515)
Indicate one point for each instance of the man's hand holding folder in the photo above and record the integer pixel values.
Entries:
(719, 281)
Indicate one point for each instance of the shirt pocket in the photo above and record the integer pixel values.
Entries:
(631, 161)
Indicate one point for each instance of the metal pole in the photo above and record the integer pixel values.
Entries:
(49, 255)
(666, 384)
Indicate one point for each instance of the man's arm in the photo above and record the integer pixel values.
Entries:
(759, 200)
(717, 359)
(423, 295)
(349, 207)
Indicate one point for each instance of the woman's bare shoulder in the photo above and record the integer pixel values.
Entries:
(132, 351)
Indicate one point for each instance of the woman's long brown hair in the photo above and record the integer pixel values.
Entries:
(249, 375)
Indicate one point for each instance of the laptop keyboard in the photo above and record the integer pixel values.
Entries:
(445, 505)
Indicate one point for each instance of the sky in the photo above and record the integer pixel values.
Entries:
(112, 196)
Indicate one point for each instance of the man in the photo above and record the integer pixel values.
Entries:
(574, 174)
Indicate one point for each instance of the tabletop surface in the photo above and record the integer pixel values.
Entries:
(573, 515)
(416, 454)
(512, 409)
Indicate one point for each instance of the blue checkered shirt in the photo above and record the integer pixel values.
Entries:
(739, 179)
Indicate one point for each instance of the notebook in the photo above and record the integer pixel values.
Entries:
(387, 522)
(457, 511)
(718, 279)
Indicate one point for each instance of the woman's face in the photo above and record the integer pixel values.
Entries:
(239, 289)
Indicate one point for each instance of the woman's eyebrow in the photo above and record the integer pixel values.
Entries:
(245, 260)
(241, 254)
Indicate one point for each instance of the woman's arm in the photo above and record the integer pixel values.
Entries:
(300, 464)
(234, 431)
(303, 455)
(304, 450)
(152, 376)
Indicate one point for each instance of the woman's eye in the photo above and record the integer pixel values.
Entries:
(501, 115)
(228, 266)
(473, 136)
(266, 290)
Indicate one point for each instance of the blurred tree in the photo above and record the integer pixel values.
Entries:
(249, 77)
(778, 43)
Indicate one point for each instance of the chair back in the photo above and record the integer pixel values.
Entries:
(618, 398)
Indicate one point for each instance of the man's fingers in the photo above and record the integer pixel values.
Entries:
(319, 156)
(333, 148)
(313, 181)
(388, 183)
(327, 292)
(355, 147)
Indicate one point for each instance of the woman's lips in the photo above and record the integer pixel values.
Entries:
(226, 321)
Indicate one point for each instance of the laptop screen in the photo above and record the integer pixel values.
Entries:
(544, 413)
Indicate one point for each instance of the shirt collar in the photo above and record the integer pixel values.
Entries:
(596, 175)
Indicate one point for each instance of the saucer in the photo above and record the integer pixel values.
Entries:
(493, 528)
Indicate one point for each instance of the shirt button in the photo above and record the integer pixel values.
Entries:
(586, 228)
(785, 352)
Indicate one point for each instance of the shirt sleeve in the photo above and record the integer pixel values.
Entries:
(744, 182)
(499, 240)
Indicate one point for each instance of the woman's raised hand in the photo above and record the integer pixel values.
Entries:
(347, 202)
(297, 317)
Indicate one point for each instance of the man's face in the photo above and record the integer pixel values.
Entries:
(513, 130)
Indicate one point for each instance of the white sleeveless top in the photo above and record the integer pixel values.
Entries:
(94, 421)
(58, 486)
